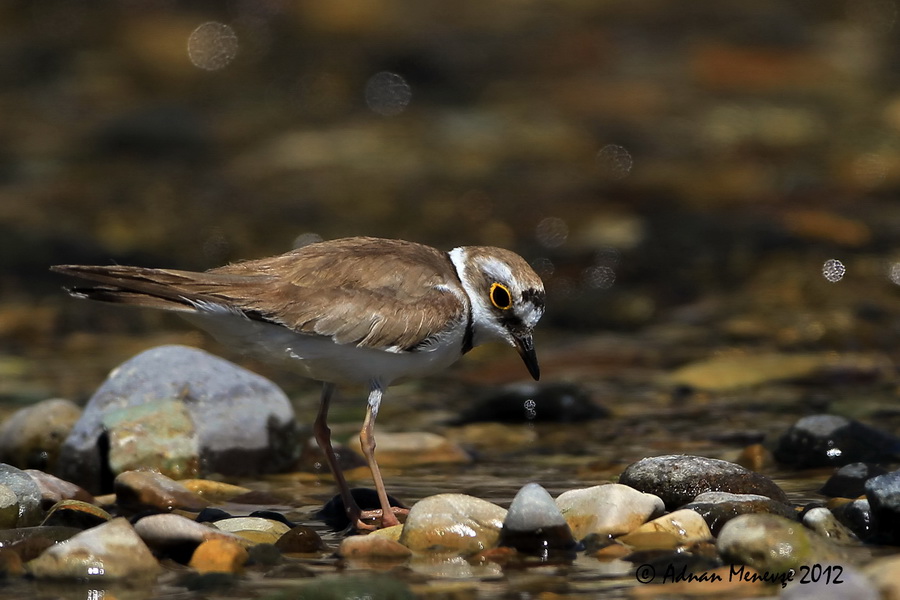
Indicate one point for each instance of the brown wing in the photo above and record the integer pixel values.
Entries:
(366, 291)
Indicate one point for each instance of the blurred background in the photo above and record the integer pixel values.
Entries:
(687, 176)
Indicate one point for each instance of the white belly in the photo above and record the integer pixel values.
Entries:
(320, 358)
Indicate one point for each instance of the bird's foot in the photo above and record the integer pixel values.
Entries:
(370, 520)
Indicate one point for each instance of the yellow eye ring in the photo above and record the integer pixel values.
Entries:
(500, 296)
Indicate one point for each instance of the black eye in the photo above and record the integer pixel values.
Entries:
(500, 296)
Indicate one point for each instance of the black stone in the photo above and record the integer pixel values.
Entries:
(857, 517)
(850, 480)
(883, 493)
(533, 402)
(211, 515)
(830, 440)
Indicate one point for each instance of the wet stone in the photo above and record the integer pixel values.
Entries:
(219, 556)
(536, 402)
(254, 529)
(301, 540)
(678, 479)
(535, 526)
(53, 489)
(140, 490)
(883, 493)
(9, 508)
(32, 436)
(772, 543)
(857, 517)
(831, 440)
(177, 536)
(823, 522)
(685, 526)
(372, 547)
(244, 423)
(454, 523)
(156, 435)
(849, 481)
(106, 552)
(607, 510)
(717, 508)
(77, 514)
(28, 494)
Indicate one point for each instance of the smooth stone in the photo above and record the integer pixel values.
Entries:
(404, 449)
(650, 540)
(157, 435)
(140, 490)
(237, 524)
(9, 508)
(214, 491)
(166, 531)
(772, 543)
(244, 423)
(884, 573)
(609, 510)
(301, 540)
(849, 481)
(822, 521)
(75, 513)
(717, 508)
(857, 517)
(28, 494)
(679, 478)
(852, 583)
(685, 525)
(883, 493)
(32, 436)
(109, 551)
(452, 523)
(831, 440)
(219, 556)
(557, 402)
(53, 489)
(368, 546)
(534, 525)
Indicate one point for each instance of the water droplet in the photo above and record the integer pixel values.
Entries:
(615, 161)
(387, 94)
(552, 232)
(599, 277)
(833, 270)
(212, 46)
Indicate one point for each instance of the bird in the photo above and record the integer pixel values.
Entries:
(356, 310)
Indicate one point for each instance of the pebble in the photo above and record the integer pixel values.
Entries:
(829, 440)
(32, 436)
(301, 540)
(28, 494)
(372, 547)
(535, 526)
(254, 529)
(685, 526)
(214, 491)
(849, 481)
(717, 508)
(157, 435)
(219, 556)
(883, 493)
(140, 490)
(772, 543)
(405, 449)
(823, 522)
(856, 516)
(244, 423)
(607, 510)
(679, 478)
(557, 402)
(106, 552)
(9, 508)
(166, 532)
(75, 513)
(452, 523)
(53, 489)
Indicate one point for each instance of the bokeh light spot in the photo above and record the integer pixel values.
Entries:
(212, 46)
(387, 94)
(552, 232)
(615, 161)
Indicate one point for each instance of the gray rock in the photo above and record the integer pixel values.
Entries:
(166, 531)
(244, 423)
(31, 438)
(28, 494)
(856, 516)
(823, 440)
(679, 478)
(106, 552)
(534, 524)
(850, 480)
(9, 508)
(717, 508)
(883, 493)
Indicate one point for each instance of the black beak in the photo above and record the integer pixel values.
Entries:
(525, 346)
